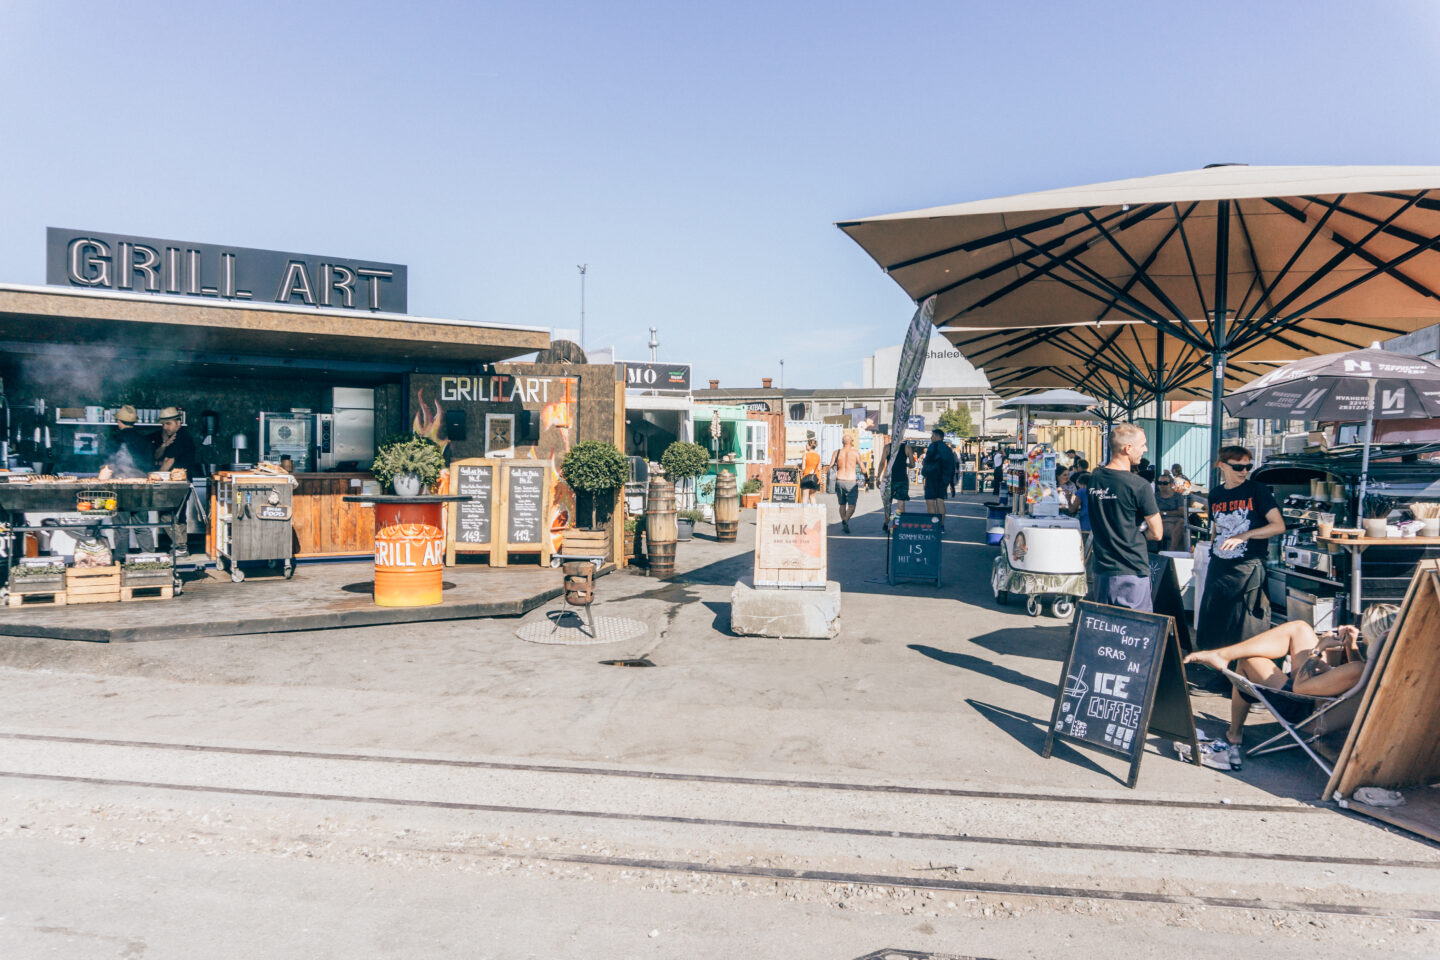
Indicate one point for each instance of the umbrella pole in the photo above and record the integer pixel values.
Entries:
(1365, 453)
(1159, 403)
(1217, 333)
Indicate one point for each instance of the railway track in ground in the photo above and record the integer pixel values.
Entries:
(1000, 842)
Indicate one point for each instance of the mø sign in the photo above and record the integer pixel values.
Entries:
(665, 377)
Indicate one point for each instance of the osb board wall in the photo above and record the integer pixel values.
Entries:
(559, 418)
(1393, 741)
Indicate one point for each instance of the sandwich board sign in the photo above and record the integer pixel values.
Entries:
(914, 548)
(1123, 679)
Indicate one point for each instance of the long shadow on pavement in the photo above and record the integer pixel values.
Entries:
(978, 665)
(1030, 733)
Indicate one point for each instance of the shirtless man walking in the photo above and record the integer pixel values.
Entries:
(846, 464)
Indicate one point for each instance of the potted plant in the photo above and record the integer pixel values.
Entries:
(632, 535)
(683, 462)
(408, 463)
(593, 468)
(750, 493)
(1375, 511)
(685, 522)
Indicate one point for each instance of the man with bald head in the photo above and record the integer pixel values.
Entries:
(1123, 514)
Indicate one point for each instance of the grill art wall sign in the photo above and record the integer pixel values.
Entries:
(109, 261)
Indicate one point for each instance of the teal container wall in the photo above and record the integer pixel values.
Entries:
(1186, 444)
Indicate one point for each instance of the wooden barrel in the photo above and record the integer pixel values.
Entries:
(660, 532)
(727, 507)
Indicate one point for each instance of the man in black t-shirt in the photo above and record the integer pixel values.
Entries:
(1122, 515)
(1243, 516)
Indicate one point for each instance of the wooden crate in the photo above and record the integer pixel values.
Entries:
(92, 584)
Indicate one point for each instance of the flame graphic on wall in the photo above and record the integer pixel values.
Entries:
(427, 424)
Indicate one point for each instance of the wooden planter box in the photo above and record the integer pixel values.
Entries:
(50, 583)
(146, 578)
(749, 501)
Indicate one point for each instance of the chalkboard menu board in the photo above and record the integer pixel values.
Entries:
(784, 484)
(507, 509)
(472, 517)
(915, 547)
(1123, 679)
(525, 505)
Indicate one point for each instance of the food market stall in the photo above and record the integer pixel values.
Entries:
(67, 517)
(1042, 555)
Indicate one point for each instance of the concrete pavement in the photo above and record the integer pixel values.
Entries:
(516, 799)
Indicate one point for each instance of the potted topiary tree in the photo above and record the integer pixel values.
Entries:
(683, 462)
(408, 463)
(750, 493)
(593, 468)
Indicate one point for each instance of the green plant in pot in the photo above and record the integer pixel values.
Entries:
(683, 462)
(685, 521)
(594, 468)
(750, 493)
(408, 463)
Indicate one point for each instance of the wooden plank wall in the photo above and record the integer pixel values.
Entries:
(1393, 741)
(601, 411)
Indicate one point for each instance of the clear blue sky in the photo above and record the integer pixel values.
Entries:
(695, 156)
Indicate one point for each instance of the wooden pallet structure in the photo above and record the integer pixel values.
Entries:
(92, 584)
(37, 598)
(147, 591)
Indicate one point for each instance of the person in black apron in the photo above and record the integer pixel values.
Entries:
(1243, 516)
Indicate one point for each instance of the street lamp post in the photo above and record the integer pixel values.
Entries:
(582, 267)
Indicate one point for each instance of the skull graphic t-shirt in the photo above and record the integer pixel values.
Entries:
(1235, 510)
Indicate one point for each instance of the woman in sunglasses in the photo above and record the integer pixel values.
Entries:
(1243, 516)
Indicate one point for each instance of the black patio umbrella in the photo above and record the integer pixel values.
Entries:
(1352, 386)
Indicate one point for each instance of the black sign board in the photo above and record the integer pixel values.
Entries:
(182, 268)
(915, 547)
(1123, 679)
(525, 491)
(472, 517)
(784, 484)
(271, 511)
(664, 377)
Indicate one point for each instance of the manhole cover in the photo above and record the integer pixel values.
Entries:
(568, 628)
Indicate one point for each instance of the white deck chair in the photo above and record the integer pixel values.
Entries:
(1329, 714)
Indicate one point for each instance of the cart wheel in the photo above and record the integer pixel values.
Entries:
(1063, 608)
(272, 564)
(1002, 597)
(289, 569)
(1033, 606)
(236, 575)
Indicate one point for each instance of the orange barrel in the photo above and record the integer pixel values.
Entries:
(409, 554)
(660, 532)
(727, 507)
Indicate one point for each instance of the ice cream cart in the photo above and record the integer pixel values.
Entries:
(1042, 555)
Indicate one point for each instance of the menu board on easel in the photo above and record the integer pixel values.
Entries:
(522, 520)
(471, 528)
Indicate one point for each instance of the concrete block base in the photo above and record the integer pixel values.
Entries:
(785, 613)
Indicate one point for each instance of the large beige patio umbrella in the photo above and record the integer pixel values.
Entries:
(1221, 260)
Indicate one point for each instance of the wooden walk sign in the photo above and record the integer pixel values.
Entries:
(914, 548)
(1123, 679)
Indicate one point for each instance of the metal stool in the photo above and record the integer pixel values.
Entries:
(580, 570)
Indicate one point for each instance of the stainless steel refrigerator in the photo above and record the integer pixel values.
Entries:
(347, 433)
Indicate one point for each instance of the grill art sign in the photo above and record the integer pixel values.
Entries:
(108, 261)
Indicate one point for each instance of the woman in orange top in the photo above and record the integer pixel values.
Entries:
(810, 471)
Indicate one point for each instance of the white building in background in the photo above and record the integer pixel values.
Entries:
(945, 368)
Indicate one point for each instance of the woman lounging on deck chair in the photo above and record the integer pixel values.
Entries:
(1325, 672)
